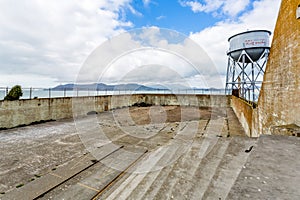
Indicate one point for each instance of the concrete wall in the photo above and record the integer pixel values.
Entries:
(279, 101)
(24, 112)
(15, 113)
(244, 112)
(188, 100)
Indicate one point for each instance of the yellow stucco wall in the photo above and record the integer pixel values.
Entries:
(279, 101)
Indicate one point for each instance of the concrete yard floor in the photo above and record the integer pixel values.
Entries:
(192, 154)
(272, 170)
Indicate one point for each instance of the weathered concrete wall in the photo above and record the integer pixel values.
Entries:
(188, 100)
(23, 112)
(244, 112)
(14, 113)
(279, 101)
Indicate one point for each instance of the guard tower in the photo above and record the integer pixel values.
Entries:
(247, 57)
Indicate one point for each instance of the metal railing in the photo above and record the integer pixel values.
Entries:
(33, 93)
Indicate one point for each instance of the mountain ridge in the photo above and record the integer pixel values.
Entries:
(102, 86)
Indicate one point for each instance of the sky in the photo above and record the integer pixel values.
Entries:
(151, 42)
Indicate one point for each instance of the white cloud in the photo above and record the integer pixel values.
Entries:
(47, 40)
(134, 11)
(214, 39)
(28, 80)
(150, 56)
(146, 2)
(160, 17)
(51, 39)
(208, 6)
(234, 7)
(228, 7)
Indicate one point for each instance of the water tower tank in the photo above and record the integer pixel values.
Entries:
(253, 42)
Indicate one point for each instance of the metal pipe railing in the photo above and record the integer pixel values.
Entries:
(32, 92)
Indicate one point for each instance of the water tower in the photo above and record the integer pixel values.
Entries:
(247, 57)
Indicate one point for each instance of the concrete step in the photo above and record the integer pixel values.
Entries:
(209, 162)
(234, 126)
(136, 185)
(89, 184)
(47, 182)
(139, 183)
(178, 174)
(206, 170)
(144, 190)
(229, 168)
(193, 158)
(171, 178)
(144, 186)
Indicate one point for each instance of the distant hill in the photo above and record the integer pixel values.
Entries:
(158, 86)
(102, 86)
(129, 86)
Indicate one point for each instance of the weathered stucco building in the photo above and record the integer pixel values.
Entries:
(279, 101)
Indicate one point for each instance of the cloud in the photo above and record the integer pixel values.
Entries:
(214, 39)
(146, 2)
(51, 39)
(160, 17)
(209, 6)
(48, 43)
(234, 7)
(149, 56)
(217, 7)
(134, 11)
